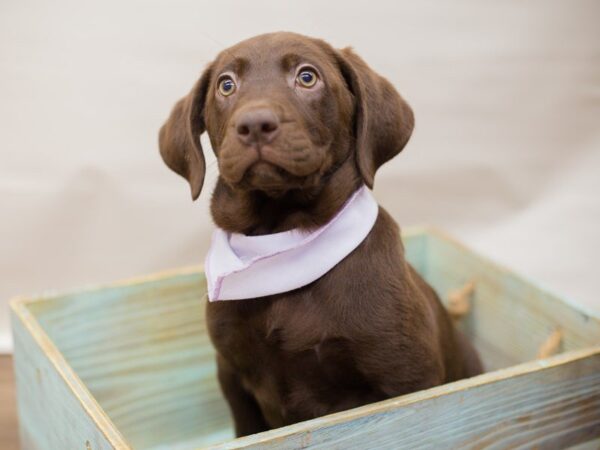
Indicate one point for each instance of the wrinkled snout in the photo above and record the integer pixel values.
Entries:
(268, 147)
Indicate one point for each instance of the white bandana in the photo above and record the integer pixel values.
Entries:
(241, 267)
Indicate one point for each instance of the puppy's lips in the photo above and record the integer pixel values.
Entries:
(269, 165)
(233, 164)
(295, 163)
(265, 175)
(266, 170)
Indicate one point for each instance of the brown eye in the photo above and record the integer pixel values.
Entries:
(307, 78)
(226, 86)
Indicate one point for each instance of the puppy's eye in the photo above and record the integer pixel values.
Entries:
(226, 86)
(307, 78)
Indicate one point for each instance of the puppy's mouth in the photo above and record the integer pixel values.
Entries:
(273, 179)
(271, 169)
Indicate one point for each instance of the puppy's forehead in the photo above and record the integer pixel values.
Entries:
(276, 50)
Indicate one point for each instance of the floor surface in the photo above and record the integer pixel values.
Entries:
(8, 413)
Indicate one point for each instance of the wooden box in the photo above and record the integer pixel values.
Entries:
(129, 366)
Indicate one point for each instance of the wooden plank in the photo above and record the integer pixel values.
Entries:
(549, 404)
(143, 352)
(511, 317)
(589, 445)
(140, 347)
(55, 410)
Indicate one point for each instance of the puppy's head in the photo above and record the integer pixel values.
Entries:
(283, 112)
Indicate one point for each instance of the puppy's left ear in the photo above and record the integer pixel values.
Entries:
(179, 137)
(383, 121)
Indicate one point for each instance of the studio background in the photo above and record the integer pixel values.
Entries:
(505, 154)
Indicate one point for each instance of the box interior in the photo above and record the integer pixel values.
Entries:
(143, 352)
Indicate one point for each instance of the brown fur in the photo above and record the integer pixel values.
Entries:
(371, 328)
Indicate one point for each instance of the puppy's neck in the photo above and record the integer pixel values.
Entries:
(255, 213)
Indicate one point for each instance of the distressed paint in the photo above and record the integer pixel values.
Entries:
(55, 410)
(129, 365)
(551, 404)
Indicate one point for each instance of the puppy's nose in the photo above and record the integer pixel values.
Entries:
(257, 126)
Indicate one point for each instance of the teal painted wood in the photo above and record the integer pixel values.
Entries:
(552, 407)
(140, 350)
(51, 415)
(511, 317)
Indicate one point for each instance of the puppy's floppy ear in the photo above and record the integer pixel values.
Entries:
(179, 137)
(383, 121)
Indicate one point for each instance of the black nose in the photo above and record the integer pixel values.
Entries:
(257, 126)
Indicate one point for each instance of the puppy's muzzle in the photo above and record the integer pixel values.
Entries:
(257, 126)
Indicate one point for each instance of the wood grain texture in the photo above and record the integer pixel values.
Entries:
(133, 360)
(55, 410)
(143, 352)
(9, 439)
(550, 405)
(510, 318)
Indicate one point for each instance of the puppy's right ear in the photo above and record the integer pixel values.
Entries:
(179, 137)
(383, 119)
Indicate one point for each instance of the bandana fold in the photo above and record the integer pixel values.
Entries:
(243, 267)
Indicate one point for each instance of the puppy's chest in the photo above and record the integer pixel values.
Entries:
(281, 340)
(295, 368)
(243, 335)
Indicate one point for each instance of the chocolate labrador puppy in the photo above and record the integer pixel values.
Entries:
(298, 127)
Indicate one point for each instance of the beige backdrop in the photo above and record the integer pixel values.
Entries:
(505, 154)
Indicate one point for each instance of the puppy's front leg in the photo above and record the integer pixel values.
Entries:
(247, 416)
